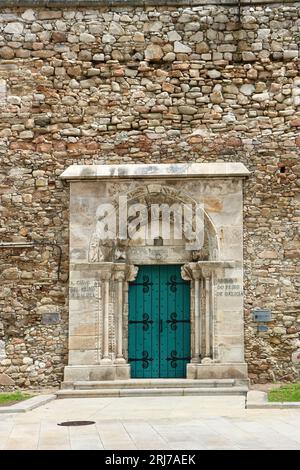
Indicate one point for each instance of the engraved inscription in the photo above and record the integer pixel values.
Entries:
(228, 286)
(83, 289)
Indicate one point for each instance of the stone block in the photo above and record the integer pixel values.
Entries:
(5, 380)
(95, 372)
(82, 342)
(218, 371)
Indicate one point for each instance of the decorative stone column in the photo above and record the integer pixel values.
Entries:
(197, 343)
(123, 273)
(189, 273)
(96, 343)
(206, 275)
(211, 344)
(130, 276)
(105, 277)
(119, 278)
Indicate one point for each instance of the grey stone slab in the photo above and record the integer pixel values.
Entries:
(256, 397)
(28, 405)
(85, 438)
(81, 172)
(285, 429)
(234, 435)
(143, 432)
(53, 436)
(113, 434)
(23, 436)
(276, 439)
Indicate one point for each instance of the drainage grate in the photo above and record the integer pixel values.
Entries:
(75, 423)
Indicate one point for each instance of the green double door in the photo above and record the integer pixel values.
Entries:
(159, 323)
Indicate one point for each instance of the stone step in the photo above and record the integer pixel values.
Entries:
(153, 392)
(153, 383)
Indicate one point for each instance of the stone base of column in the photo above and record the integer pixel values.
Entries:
(96, 372)
(234, 370)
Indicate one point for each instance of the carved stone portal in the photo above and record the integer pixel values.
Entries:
(102, 265)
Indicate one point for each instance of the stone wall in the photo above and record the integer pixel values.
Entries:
(141, 84)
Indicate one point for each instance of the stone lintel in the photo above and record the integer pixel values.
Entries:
(159, 170)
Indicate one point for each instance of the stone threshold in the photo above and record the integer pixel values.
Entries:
(153, 383)
(154, 392)
(28, 405)
(259, 400)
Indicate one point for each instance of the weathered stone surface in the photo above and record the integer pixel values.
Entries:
(29, 15)
(169, 57)
(180, 47)
(174, 36)
(108, 39)
(6, 52)
(153, 52)
(202, 48)
(86, 38)
(216, 97)
(14, 28)
(248, 56)
(261, 97)
(5, 380)
(247, 89)
(268, 254)
(290, 54)
(214, 73)
(187, 110)
(10, 273)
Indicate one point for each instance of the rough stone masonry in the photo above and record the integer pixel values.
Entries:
(101, 82)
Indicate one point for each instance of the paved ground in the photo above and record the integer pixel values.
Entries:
(152, 423)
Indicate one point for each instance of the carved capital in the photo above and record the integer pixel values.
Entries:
(205, 271)
(105, 271)
(131, 272)
(105, 275)
(119, 276)
(119, 273)
(186, 272)
(191, 271)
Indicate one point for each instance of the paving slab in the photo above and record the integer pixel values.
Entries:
(171, 423)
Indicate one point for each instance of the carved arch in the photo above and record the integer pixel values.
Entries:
(100, 250)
